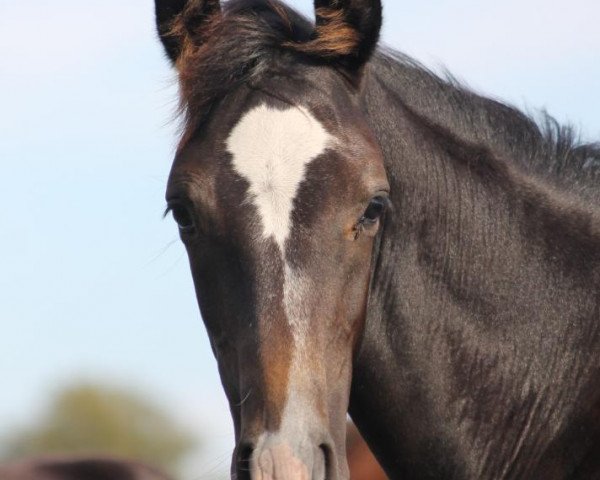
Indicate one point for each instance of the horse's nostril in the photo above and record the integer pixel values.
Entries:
(326, 451)
(243, 457)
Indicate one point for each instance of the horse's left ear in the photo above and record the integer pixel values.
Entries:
(346, 32)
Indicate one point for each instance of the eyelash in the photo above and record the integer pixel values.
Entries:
(182, 217)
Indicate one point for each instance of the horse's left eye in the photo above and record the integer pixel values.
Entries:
(374, 210)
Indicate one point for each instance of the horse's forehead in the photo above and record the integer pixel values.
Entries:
(271, 149)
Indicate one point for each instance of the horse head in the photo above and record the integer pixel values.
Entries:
(279, 190)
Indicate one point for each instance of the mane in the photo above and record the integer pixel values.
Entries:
(255, 38)
(537, 144)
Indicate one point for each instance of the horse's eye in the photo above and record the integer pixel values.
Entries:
(183, 218)
(374, 210)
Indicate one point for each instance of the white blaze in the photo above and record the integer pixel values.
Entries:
(271, 149)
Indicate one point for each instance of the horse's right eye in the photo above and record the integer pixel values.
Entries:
(183, 217)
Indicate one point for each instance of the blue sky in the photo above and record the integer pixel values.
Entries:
(94, 284)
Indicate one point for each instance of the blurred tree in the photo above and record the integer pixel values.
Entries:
(98, 420)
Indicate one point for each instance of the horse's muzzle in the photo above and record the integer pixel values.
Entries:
(275, 458)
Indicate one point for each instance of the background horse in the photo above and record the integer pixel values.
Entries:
(72, 468)
(363, 234)
(361, 462)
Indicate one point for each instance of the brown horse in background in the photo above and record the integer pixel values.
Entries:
(79, 468)
(362, 463)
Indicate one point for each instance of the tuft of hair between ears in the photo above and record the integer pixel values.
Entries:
(333, 37)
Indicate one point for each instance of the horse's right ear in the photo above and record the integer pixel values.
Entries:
(346, 32)
(181, 20)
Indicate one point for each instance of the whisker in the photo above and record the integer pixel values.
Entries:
(244, 399)
(161, 252)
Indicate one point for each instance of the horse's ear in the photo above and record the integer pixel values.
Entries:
(178, 20)
(346, 31)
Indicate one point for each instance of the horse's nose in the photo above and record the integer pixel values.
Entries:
(276, 458)
(243, 460)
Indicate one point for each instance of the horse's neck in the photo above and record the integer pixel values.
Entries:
(481, 346)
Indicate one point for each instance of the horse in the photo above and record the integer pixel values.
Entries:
(79, 468)
(362, 464)
(365, 236)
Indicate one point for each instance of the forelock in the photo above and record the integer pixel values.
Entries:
(236, 46)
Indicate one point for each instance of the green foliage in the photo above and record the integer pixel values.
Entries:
(96, 420)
